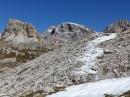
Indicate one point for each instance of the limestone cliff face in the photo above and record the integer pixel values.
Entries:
(20, 42)
(67, 32)
(19, 32)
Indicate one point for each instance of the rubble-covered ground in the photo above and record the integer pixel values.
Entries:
(101, 60)
(53, 70)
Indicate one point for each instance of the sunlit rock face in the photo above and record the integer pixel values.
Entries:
(20, 42)
(119, 26)
(19, 32)
(67, 32)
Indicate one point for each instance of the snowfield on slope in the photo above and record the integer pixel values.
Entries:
(91, 53)
(96, 89)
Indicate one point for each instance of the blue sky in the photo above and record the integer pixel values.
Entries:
(95, 14)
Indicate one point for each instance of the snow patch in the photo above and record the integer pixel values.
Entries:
(96, 89)
(79, 25)
(91, 53)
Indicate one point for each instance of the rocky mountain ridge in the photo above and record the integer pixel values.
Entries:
(20, 41)
(67, 32)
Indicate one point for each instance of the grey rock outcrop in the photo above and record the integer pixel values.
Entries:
(67, 32)
(19, 32)
(21, 42)
(119, 26)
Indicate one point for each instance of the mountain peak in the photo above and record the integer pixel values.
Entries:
(67, 32)
(118, 26)
(19, 32)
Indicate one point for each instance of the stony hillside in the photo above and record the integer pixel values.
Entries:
(75, 64)
(53, 67)
(84, 57)
(54, 71)
(115, 60)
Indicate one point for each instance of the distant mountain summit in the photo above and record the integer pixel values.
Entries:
(119, 26)
(19, 32)
(67, 32)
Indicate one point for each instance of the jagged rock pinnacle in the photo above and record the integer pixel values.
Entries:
(119, 26)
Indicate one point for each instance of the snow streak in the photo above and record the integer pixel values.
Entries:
(91, 53)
